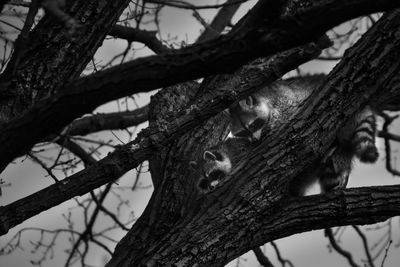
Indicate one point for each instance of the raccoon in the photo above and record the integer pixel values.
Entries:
(332, 173)
(277, 102)
(218, 161)
(359, 134)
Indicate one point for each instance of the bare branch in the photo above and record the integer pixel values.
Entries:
(386, 253)
(136, 35)
(247, 41)
(365, 244)
(279, 256)
(109, 213)
(22, 41)
(131, 155)
(339, 249)
(262, 259)
(44, 166)
(107, 121)
(220, 21)
(87, 234)
(257, 189)
(77, 150)
(185, 5)
(44, 77)
(385, 129)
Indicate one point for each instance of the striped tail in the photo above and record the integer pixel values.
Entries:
(364, 136)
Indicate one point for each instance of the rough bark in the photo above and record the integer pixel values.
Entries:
(252, 206)
(262, 32)
(154, 139)
(188, 229)
(107, 121)
(52, 58)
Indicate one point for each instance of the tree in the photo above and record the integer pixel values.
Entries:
(40, 86)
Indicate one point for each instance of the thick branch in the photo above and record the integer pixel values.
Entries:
(252, 201)
(100, 173)
(185, 5)
(220, 21)
(142, 36)
(355, 206)
(73, 147)
(42, 68)
(132, 154)
(387, 137)
(107, 121)
(366, 205)
(223, 54)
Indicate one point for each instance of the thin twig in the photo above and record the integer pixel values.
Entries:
(365, 244)
(339, 249)
(279, 256)
(262, 259)
(386, 253)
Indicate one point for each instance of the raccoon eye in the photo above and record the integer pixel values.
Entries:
(203, 184)
(218, 156)
(257, 124)
(216, 175)
(208, 155)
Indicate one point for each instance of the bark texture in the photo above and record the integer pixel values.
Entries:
(264, 31)
(180, 226)
(163, 130)
(62, 57)
(252, 207)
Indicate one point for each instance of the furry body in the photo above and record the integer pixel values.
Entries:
(277, 103)
(218, 161)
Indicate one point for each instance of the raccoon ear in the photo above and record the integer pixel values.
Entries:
(208, 155)
(250, 101)
(193, 164)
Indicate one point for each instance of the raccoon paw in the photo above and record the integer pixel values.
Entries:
(338, 182)
(367, 152)
(331, 186)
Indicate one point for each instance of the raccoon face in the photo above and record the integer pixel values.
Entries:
(248, 116)
(215, 177)
(215, 166)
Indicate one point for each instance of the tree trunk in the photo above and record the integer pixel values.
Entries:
(181, 227)
(264, 31)
(51, 58)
